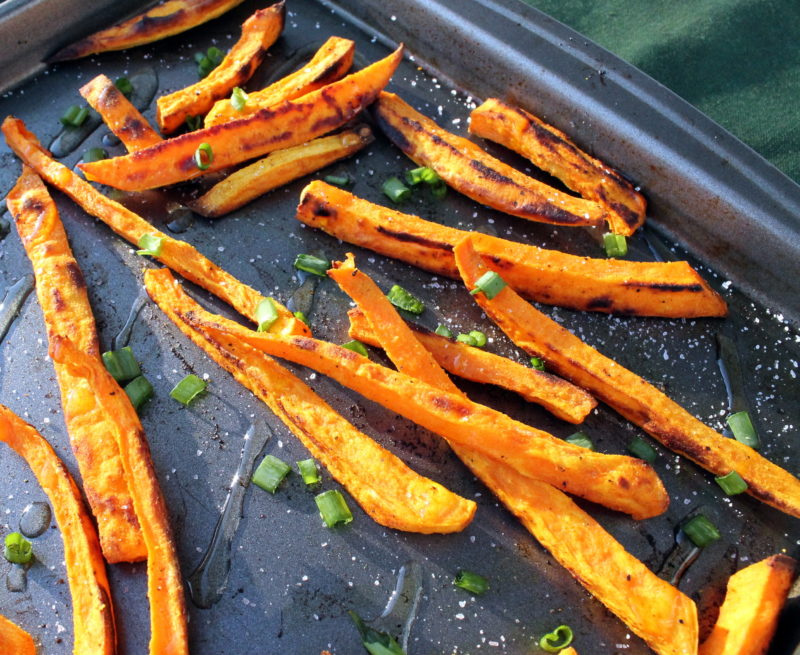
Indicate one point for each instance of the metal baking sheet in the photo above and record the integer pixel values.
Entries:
(292, 581)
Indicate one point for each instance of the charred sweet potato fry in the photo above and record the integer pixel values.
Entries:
(634, 398)
(288, 124)
(390, 492)
(552, 151)
(92, 611)
(178, 255)
(168, 634)
(749, 615)
(619, 482)
(277, 169)
(329, 64)
(259, 32)
(62, 295)
(14, 639)
(559, 397)
(166, 19)
(670, 289)
(122, 118)
(470, 170)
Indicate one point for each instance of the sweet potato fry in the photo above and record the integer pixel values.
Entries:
(568, 651)
(390, 492)
(178, 255)
(92, 610)
(559, 397)
(329, 64)
(749, 615)
(552, 151)
(469, 169)
(288, 124)
(65, 305)
(671, 289)
(168, 633)
(166, 19)
(616, 481)
(259, 32)
(634, 398)
(277, 169)
(14, 639)
(122, 118)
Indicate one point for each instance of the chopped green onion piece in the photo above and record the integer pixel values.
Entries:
(18, 549)
(356, 347)
(701, 531)
(121, 364)
(194, 122)
(94, 154)
(732, 483)
(203, 156)
(556, 640)
(124, 85)
(215, 55)
(742, 427)
(338, 180)
(309, 471)
(376, 643)
(139, 390)
(439, 190)
(188, 389)
(199, 57)
(266, 314)
(208, 61)
(472, 582)
(270, 473)
(312, 264)
(396, 190)
(467, 339)
(480, 338)
(300, 316)
(581, 439)
(489, 284)
(444, 331)
(414, 176)
(638, 447)
(538, 363)
(333, 508)
(74, 116)
(616, 245)
(429, 176)
(401, 298)
(150, 244)
(238, 98)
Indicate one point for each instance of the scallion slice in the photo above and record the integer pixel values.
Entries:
(376, 643)
(538, 363)
(150, 244)
(266, 314)
(270, 473)
(480, 338)
(18, 549)
(203, 156)
(312, 264)
(581, 439)
(309, 472)
(188, 389)
(139, 390)
(467, 339)
(396, 190)
(333, 508)
(701, 531)
(489, 284)
(208, 61)
(215, 55)
(401, 298)
(194, 122)
(638, 447)
(300, 316)
(94, 154)
(556, 640)
(616, 245)
(121, 364)
(238, 98)
(74, 116)
(356, 347)
(124, 85)
(338, 180)
(471, 582)
(439, 189)
(732, 483)
(444, 331)
(742, 427)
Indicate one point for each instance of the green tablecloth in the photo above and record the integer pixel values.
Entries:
(738, 61)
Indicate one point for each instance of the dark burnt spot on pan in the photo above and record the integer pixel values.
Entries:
(661, 286)
(31, 204)
(304, 343)
(58, 301)
(133, 127)
(630, 217)
(109, 97)
(75, 275)
(330, 73)
(407, 237)
(499, 262)
(600, 302)
(317, 207)
(623, 482)
(490, 173)
(552, 213)
(449, 405)
(149, 24)
(392, 133)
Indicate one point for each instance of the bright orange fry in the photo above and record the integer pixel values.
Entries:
(288, 124)
(92, 611)
(122, 118)
(14, 639)
(178, 255)
(634, 398)
(259, 32)
(329, 64)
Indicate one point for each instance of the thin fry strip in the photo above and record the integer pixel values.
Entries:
(670, 289)
(168, 633)
(616, 481)
(259, 32)
(92, 611)
(121, 117)
(329, 64)
(469, 169)
(552, 151)
(634, 398)
(65, 305)
(559, 397)
(288, 124)
(14, 639)
(166, 19)
(388, 491)
(277, 169)
(178, 255)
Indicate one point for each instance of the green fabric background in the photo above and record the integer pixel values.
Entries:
(738, 61)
